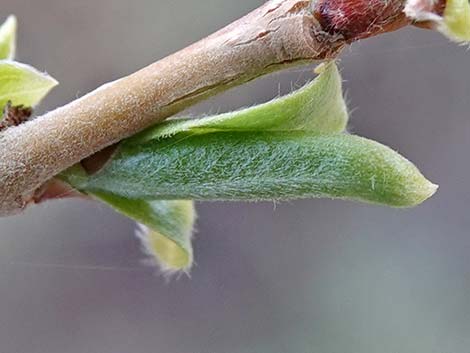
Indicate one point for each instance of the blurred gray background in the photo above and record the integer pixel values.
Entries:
(303, 277)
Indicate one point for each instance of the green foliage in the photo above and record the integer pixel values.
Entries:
(166, 231)
(292, 147)
(19, 83)
(289, 148)
(22, 84)
(318, 107)
(166, 227)
(456, 23)
(8, 39)
(262, 166)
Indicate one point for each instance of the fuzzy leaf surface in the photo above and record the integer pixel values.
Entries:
(318, 107)
(22, 84)
(261, 166)
(166, 228)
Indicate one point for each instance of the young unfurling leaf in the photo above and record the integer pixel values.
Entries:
(318, 107)
(21, 84)
(8, 39)
(166, 228)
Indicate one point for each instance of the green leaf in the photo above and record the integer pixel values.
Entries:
(261, 166)
(166, 231)
(8, 39)
(318, 107)
(166, 226)
(288, 148)
(22, 84)
(456, 23)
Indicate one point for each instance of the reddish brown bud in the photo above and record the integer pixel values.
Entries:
(356, 19)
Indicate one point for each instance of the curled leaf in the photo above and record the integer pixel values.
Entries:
(8, 38)
(166, 228)
(318, 106)
(262, 166)
(23, 85)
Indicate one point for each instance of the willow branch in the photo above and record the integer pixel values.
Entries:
(278, 34)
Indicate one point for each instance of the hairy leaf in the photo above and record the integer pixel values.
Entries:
(22, 84)
(288, 148)
(165, 227)
(261, 166)
(317, 107)
(166, 230)
(8, 39)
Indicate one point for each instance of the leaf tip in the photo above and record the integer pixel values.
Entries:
(8, 38)
(164, 252)
(427, 190)
(419, 192)
(25, 85)
(11, 24)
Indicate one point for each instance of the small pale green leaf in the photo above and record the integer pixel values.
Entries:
(317, 107)
(261, 166)
(8, 39)
(166, 230)
(22, 84)
(166, 226)
(456, 23)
